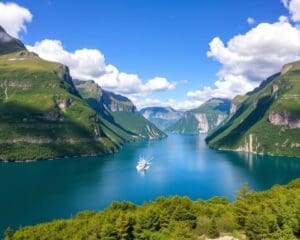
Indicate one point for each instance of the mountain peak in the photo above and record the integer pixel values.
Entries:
(9, 44)
(2, 29)
(287, 67)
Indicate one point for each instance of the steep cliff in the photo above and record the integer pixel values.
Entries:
(41, 113)
(267, 121)
(204, 118)
(162, 117)
(119, 111)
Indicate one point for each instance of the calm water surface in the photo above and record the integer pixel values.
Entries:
(183, 165)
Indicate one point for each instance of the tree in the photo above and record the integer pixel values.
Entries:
(108, 232)
(183, 213)
(9, 233)
(147, 222)
(124, 227)
(283, 234)
(181, 231)
(213, 230)
(257, 226)
(242, 192)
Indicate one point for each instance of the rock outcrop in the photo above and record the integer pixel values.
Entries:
(284, 119)
(233, 108)
(163, 117)
(248, 145)
(286, 68)
(202, 122)
(203, 119)
(64, 104)
(63, 73)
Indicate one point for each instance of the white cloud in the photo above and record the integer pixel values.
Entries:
(179, 105)
(249, 58)
(87, 64)
(294, 8)
(250, 20)
(13, 18)
(158, 84)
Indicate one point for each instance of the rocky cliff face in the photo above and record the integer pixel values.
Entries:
(119, 111)
(116, 103)
(233, 108)
(284, 119)
(203, 122)
(102, 99)
(286, 68)
(267, 120)
(162, 117)
(204, 118)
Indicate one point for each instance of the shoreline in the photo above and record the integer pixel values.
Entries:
(112, 151)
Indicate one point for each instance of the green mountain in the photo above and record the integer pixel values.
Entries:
(202, 119)
(162, 117)
(266, 120)
(119, 111)
(41, 113)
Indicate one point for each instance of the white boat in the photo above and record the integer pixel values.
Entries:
(143, 164)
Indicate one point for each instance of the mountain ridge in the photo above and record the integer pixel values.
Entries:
(267, 121)
(204, 118)
(118, 110)
(43, 115)
(9, 44)
(163, 117)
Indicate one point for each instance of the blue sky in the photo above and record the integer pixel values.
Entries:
(150, 38)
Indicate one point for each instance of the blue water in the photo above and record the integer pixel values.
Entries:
(183, 165)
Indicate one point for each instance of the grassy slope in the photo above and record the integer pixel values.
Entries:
(188, 124)
(272, 214)
(128, 124)
(30, 89)
(137, 124)
(252, 118)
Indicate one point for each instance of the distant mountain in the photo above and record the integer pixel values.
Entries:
(9, 44)
(118, 110)
(204, 118)
(267, 119)
(162, 117)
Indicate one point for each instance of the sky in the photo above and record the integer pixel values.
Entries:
(174, 53)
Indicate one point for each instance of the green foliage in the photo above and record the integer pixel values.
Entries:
(137, 125)
(242, 192)
(126, 123)
(272, 214)
(124, 226)
(213, 230)
(9, 233)
(41, 114)
(257, 226)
